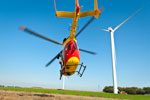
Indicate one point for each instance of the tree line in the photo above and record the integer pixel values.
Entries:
(129, 90)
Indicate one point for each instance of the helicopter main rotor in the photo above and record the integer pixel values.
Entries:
(58, 43)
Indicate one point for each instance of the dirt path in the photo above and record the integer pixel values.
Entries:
(15, 95)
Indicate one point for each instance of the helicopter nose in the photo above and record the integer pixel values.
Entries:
(73, 61)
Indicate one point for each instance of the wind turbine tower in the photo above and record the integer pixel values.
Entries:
(113, 49)
(63, 85)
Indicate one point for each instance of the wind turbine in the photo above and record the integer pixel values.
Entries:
(63, 85)
(113, 49)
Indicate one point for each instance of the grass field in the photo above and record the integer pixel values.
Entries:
(80, 93)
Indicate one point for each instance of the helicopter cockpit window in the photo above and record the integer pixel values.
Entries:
(76, 46)
(69, 47)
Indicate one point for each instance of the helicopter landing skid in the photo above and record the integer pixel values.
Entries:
(81, 70)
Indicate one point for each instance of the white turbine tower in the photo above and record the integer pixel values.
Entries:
(113, 49)
(63, 85)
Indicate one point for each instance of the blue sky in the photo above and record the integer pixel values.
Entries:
(23, 56)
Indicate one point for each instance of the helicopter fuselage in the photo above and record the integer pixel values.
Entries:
(70, 58)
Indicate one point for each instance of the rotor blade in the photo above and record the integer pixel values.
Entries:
(55, 6)
(38, 35)
(55, 9)
(85, 26)
(87, 51)
(127, 19)
(54, 58)
(102, 29)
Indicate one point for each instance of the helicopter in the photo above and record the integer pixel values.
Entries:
(70, 54)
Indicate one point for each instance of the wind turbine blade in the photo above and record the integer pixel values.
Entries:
(127, 19)
(102, 29)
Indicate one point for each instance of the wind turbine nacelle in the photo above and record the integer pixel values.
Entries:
(110, 29)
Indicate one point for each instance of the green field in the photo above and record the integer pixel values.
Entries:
(81, 93)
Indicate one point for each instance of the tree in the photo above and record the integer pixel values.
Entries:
(140, 91)
(2, 86)
(131, 90)
(108, 89)
(147, 90)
